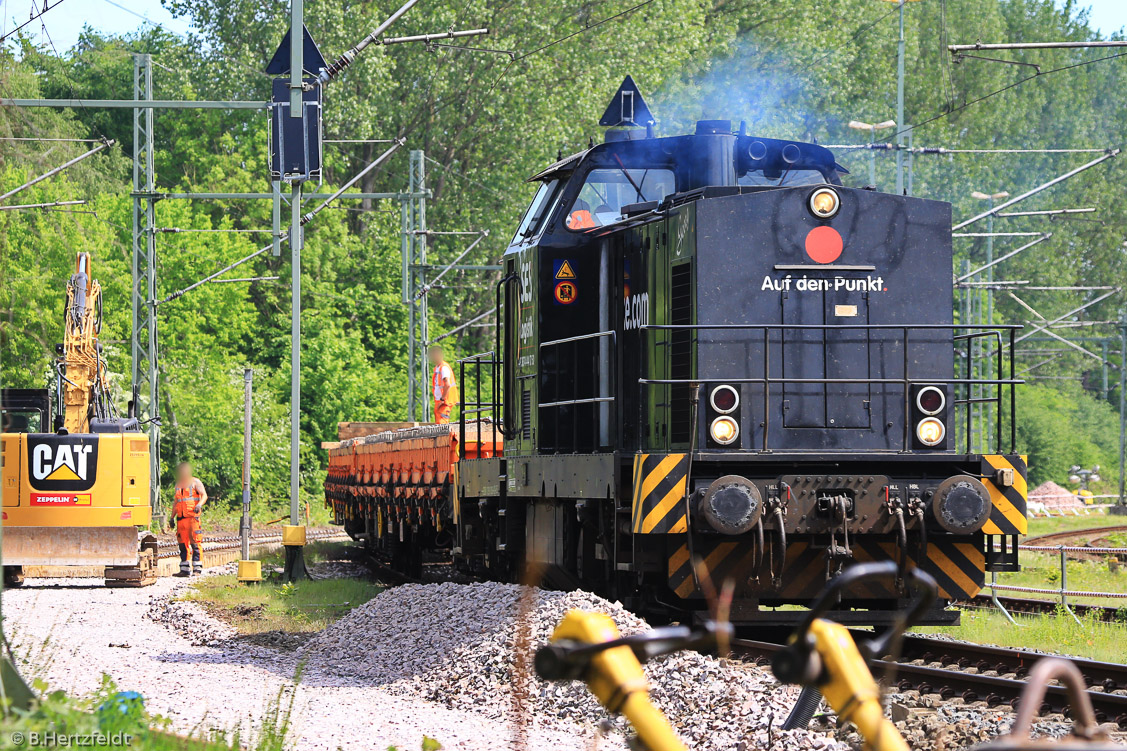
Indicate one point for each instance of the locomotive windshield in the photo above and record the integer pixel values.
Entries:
(605, 191)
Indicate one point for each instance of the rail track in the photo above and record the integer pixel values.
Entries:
(1058, 538)
(169, 548)
(1032, 606)
(979, 673)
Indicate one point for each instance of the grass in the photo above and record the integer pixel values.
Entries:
(299, 608)
(1094, 640)
(1043, 570)
(111, 719)
(1048, 525)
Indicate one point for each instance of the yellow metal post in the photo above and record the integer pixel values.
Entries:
(616, 679)
(850, 689)
(249, 571)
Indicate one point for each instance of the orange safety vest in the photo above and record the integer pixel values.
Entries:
(186, 500)
(449, 395)
(581, 219)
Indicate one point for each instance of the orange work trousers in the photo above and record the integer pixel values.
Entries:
(442, 412)
(190, 540)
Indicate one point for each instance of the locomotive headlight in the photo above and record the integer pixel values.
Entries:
(824, 203)
(931, 400)
(724, 430)
(724, 399)
(930, 431)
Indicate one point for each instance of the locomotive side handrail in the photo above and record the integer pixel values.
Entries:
(569, 340)
(997, 336)
(478, 408)
(907, 380)
(605, 392)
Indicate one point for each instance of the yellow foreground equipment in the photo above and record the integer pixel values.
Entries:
(849, 687)
(821, 654)
(614, 675)
(586, 646)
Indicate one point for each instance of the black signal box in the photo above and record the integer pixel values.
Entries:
(295, 142)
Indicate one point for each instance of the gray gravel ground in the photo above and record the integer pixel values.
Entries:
(70, 632)
(457, 651)
(419, 659)
(434, 659)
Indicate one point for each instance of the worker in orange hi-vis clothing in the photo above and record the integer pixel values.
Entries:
(189, 500)
(443, 385)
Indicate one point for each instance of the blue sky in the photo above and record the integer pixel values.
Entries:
(64, 23)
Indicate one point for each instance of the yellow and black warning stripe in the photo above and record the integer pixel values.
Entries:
(958, 567)
(1008, 516)
(718, 560)
(659, 493)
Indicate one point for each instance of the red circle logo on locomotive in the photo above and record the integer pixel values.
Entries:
(824, 244)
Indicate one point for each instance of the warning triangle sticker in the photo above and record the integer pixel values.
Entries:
(564, 271)
(63, 473)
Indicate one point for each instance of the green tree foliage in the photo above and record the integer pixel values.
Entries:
(1060, 427)
(487, 120)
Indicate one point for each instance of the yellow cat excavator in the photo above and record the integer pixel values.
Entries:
(76, 480)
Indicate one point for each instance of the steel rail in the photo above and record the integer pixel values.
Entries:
(170, 548)
(1034, 606)
(1040, 539)
(971, 687)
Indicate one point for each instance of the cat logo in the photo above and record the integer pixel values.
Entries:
(62, 462)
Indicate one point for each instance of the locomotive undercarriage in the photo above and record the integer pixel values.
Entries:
(784, 560)
(547, 520)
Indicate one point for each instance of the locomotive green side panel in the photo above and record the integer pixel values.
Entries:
(670, 355)
(522, 390)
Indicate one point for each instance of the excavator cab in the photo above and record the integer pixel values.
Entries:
(25, 410)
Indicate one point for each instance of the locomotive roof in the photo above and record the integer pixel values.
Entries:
(751, 151)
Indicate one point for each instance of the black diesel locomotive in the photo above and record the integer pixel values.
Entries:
(716, 363)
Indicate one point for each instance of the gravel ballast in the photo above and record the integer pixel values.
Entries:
(452, 644)
(418, 659)
(191, 670)
(433, 659)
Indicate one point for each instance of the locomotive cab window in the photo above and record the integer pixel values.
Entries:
(546, 197)
(606, 190)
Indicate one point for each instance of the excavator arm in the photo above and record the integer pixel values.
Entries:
(82, 370)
